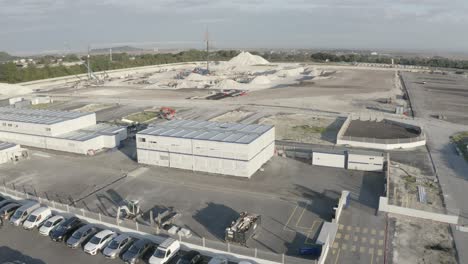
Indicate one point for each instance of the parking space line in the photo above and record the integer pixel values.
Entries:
(372, 256)
(337, 256)
(310, 232)
(300, 217)
(289, 219)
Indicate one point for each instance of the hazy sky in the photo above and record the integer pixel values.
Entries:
(47, 25)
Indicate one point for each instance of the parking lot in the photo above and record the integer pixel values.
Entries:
(293, 197)
(438, 94)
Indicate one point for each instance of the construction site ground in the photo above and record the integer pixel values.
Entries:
(304, 128)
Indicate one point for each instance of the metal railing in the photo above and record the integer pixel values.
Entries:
(142, 226)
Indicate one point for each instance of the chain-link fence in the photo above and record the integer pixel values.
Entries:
(141, 226)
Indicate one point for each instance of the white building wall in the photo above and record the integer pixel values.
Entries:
(365, 162)
(328, 159)
(60, 144)
(261, 142)
(6, 155)
(73, 124)
(262, 157)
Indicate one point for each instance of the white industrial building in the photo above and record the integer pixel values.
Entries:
(222, 148)
(10, 152)
(58, 130)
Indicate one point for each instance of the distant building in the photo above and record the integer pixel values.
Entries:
(58, 130)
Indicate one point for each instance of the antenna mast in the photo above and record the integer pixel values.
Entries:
(89, 66)
(207, 39)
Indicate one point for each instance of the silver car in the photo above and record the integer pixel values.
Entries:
(80, 235)
(117, 246)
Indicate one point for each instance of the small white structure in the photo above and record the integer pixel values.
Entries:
(223, 148)
(58, 130)
(10, 152)
(366, 161)
(336, 160)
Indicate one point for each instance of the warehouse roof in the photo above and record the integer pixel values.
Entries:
(206, 130)
(6, 145)
(45, 117)
(92, 132)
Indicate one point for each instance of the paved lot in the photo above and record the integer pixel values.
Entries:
(441, 94)
(293, 197)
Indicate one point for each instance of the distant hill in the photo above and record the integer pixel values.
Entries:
(6, 57)
(122, 49)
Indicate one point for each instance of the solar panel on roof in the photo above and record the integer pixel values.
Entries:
(206, 130)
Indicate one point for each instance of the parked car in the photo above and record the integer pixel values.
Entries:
(65, 229)
(118, 245)
(136, 251)
(81, 235)
(23, 212)
(218, 260)
(191, 257)
(37, 217)
(99, 241)
(6, 202)
(51, 224)
(165, 251)
(8, 210)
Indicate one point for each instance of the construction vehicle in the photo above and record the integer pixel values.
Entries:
(129, 209)
(167, 113)
(243, 228)
(166, 218)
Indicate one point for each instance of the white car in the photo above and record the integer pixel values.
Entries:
(50, 224)
(37, 217)
(99, 241)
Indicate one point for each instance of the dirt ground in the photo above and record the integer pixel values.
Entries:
(404, 191)
(304, 128)
(421, 242)
(232, 116)
(417, 240)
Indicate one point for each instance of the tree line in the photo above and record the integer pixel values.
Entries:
(10, 73)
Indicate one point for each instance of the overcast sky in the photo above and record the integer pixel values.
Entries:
(48, 25)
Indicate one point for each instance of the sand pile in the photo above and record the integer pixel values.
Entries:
(290, 72)
(245, 58)
(260, 80)
(196, 77)
(13, 89)
(227, 84)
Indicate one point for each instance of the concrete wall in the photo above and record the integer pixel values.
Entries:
(385, 207)
(328, 159)
(364, 162)
(382, 146)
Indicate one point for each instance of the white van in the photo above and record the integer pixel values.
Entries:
(22, 213)
(37, 217)
(165, 252)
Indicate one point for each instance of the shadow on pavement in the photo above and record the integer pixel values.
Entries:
(9, 255)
